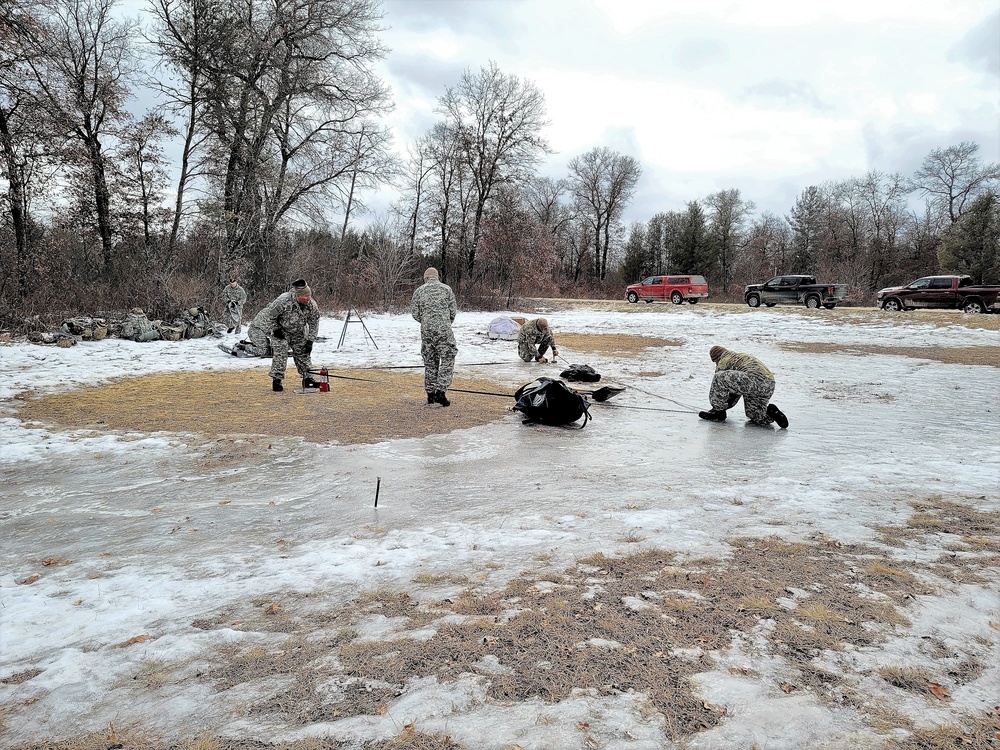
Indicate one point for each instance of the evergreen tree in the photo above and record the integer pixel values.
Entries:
(972, 246)
(634, 263)
(691, 253)
(806, 221)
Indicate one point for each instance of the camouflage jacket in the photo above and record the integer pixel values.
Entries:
(434, 307)
(234, 295)
(530, 335)
(293, 319)
(743, 363)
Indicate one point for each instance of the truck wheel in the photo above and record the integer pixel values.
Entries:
(632, 297)
(753, 300)
(829, 305)
(676, 298)
(649, 302)
(974, 306)
(812, 302)
(892, 305)
(693, 301)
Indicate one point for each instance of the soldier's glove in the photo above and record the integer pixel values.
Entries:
(541, 359)
(277, 333)
(555, 352)
(308, 347)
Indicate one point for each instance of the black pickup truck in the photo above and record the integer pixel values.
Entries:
(795, 290)
(942, 292)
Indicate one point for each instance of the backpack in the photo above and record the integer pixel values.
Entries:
(580, 374)
(551, 402)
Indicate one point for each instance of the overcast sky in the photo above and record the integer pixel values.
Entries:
(765, 96)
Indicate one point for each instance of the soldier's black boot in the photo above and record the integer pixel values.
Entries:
(714, 415)
(442, 399)
(309, 383)
(432, 397)
(778, 416)
(276, 385)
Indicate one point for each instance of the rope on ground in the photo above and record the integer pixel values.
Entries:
(665, 398)
(329, 374)
(645, 408)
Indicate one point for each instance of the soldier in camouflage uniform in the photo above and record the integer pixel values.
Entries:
(534, 339)
(289, 324)
(742, 376)
(434, 307)
(138, 327)
(235, 297)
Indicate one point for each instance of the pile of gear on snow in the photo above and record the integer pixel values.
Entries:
(192, 323)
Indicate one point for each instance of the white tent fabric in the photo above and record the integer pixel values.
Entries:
(503, 328)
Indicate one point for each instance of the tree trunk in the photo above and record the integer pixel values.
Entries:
(102, 198)
(18, 207)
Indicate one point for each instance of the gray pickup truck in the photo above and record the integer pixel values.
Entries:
(795, 290)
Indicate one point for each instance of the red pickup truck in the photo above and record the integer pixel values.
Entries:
(941, 292)
(677, 289)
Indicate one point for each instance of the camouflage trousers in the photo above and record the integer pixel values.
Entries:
(257, 343)
(729, 385)
(234, 316)
(438, 353)
(525, 350)
(279, 360)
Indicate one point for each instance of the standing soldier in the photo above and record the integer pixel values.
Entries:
(434, 307)
(235, 297)
(534, 339)
(740, 375)
(289, 324)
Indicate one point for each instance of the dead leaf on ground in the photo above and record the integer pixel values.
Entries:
(995, 625)
(273, 609)
(224, 502)
(940, 691)
(78, 602)
(30, 579)
(134, 640)
(50, 561)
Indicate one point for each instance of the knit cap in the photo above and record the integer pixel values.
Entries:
(430, 273)
(716, 352)
(300, 289)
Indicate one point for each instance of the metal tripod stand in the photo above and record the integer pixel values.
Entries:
(353, 316)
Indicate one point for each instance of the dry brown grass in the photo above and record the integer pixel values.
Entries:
(363, 406)
(618, 344)
(954, 355)
(852, 315)
(642, 623)
(241, 403)
(980, 732)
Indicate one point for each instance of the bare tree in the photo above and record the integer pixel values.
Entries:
(602, 183)
(81, 61)
(182, 37)
(497, 120)
(370, 166)
(23, 133)
(286, 97)
(952, 177)
(883, 195)
(728, 215)
(385, 262)
(144, 171)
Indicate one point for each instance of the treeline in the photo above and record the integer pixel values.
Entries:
(276, 117)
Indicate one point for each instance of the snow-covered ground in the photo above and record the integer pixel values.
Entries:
(147, 543)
